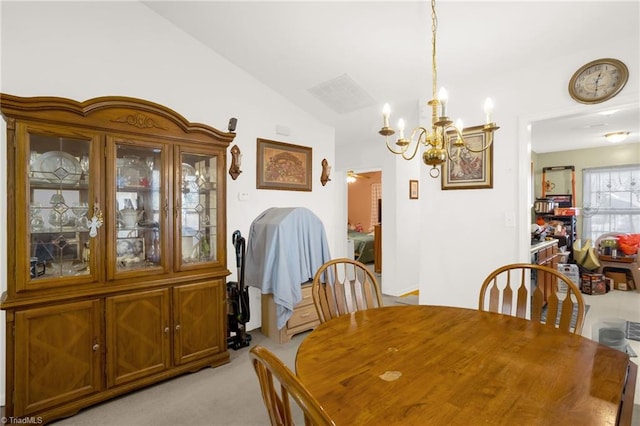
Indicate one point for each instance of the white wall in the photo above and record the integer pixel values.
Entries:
(84, 50)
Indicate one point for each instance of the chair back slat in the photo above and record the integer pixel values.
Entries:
(566, 313)
(537, 304)
(348, 287)
(523, 295)
(369, 294)
(326, 299)
(563, 310)
(552, 308)
(494, 297)
(507, 296)
(342, 300)
(270, 369)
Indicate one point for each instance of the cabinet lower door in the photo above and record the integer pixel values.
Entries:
(199, 320)
(138, 335)
(57, 355)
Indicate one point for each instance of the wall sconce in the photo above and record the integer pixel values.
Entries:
(236, 159)
(326, 171)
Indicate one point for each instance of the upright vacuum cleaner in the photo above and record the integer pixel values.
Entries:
(238, 301)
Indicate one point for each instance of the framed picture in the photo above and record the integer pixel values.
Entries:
(469, 169)
(283, 166)
(130, 248)
(413, 189)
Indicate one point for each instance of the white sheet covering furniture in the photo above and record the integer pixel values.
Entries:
(285, 248)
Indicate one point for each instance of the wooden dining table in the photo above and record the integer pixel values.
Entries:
(437, 365)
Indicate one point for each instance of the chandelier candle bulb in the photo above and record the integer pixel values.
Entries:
(442, 98)
(488, 109)
(459, 125)
(386, 111)
(401, 128)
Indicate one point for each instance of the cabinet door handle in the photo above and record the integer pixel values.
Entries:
(95, 347)
(166, 330)
(177, 207)
(178, 327)
(166, 206)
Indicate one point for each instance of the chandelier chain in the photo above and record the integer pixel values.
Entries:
(434, 68)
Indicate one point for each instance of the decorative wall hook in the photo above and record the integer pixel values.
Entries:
(326, 171)
(236, 159)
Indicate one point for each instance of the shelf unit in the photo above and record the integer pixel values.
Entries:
(570, 224)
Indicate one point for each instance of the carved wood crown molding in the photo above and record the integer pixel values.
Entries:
(140, 121)
(138, 113)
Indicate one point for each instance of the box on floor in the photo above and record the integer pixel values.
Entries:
(620, 279)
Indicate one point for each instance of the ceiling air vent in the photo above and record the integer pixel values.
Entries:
(342, 94)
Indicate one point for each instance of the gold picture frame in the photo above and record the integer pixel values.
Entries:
(470, 169)
(283, 166)
(413, 190)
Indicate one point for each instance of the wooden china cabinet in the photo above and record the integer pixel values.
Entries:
(116, 246)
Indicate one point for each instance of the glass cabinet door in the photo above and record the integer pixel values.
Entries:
(197, 205)
(139, 209)
(60, 198)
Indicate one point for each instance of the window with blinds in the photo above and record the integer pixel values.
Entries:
(611, 200)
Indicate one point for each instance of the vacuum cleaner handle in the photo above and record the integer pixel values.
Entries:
(236, 236)
(239, 243)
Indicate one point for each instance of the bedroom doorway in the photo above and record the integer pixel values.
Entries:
(364, 217)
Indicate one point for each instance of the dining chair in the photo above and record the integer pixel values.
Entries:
(341, 286)
(555, 301)
(270, 369)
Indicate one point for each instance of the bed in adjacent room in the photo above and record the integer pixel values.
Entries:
(363, 246)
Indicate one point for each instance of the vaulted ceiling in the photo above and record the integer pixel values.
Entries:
(340, 61)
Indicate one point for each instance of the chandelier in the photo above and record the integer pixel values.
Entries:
(443, 139)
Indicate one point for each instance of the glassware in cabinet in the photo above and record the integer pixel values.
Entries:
(138, 207)
(60, 190)
(198, 209)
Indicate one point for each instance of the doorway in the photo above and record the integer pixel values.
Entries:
(364, 217)
(616, 304)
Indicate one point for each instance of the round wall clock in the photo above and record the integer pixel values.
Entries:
(598, 81)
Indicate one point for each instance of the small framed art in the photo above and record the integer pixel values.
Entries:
(413, 190)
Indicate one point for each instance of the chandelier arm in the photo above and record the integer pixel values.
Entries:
(422, 140)
(401, 151)
(423, 132)
(415, 151)
(484, 146)
(445, 141)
